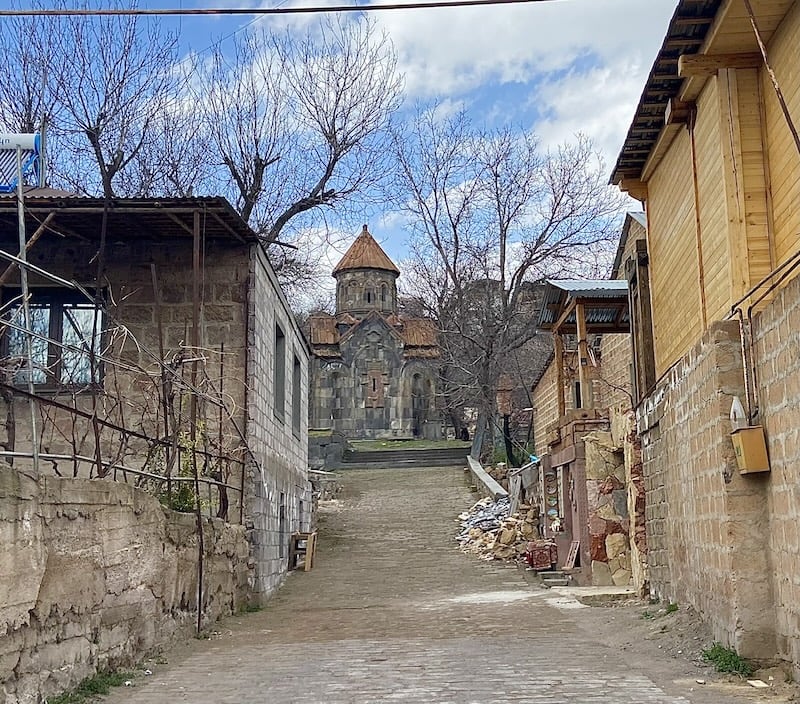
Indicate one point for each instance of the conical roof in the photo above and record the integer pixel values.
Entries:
(365, 253)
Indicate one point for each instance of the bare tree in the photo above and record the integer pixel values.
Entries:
(25, 97)
(491, 213)
(115, 77)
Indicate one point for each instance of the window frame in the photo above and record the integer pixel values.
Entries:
(279, 373)
(57, 300)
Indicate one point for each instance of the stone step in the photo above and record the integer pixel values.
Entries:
(552, 582)
(407, 457)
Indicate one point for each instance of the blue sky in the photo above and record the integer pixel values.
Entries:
(556, 68)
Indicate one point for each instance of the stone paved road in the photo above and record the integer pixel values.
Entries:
(393, 612)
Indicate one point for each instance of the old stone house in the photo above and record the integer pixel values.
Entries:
(713, 154)
(374, 369)
(591, 496)
(161, 344)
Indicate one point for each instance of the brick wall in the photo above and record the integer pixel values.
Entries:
(278, 492)
(545, 404)
(706, 524)
(613, 383)
(776, 333)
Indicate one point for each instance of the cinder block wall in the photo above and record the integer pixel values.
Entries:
(278, 495)
(93, 574)
(707, 526)
(777, 356)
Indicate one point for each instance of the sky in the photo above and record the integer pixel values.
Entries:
(557, 68)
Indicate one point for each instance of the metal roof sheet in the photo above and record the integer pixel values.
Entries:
(605, 304)
(132, 218)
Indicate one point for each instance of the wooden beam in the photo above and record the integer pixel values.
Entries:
(587, 400)
(731, 138)
(677, 111)
(32, 241)
(558, 343)
(563, 317)
(634, 188)
(704, 65)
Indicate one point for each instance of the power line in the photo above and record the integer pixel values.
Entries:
(311, 9)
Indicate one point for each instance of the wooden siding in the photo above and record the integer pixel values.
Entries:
(673, 255)
(711, 203)
(760, 257)
(784, 160)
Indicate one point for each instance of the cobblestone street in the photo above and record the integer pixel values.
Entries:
(394, 612)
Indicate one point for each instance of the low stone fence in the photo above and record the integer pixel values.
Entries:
(95, 573)
(487, 485)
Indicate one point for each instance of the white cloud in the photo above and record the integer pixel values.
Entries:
(598, 103)
(444, 52)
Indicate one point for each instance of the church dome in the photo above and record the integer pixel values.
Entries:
(365, 253)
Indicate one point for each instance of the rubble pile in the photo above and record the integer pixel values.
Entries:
(489, 532)
(499, 473)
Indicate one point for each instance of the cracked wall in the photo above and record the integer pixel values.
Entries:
(93, 574)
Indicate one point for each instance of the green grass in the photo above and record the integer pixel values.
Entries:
(91, 687)
(728, 660)
(390, 444)
(671, 608)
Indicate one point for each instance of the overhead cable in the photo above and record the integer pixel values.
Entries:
(311, 9)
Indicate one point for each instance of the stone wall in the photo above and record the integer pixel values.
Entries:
(707, 526)
(607, 509)
(325, 449)
(278, 495)
(93, 574)
(776, 334)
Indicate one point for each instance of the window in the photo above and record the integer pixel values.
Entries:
(279, 373)
(67, 330)
(296, 396)
(283, 538)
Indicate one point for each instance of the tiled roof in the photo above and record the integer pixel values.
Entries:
(365, 253)
(418, 334)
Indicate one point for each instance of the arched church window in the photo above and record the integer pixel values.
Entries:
(368, 295)
(384, 292)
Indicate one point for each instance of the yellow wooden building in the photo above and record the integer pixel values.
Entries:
(713, 153)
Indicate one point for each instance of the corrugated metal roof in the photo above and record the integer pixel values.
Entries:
(603, 288)
(605, 303)
(365, 253)
(128, 217)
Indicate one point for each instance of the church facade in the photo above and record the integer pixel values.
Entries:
(374, 371)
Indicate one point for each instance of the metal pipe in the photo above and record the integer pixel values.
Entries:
(26, 309)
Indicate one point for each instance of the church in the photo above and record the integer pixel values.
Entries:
(374, 370)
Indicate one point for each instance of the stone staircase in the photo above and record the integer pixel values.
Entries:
(430, 457)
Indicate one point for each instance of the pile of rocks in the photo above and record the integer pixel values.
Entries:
(489, 532)
(499, 473)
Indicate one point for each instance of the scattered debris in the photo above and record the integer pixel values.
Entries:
(758, 684)
(490, 532)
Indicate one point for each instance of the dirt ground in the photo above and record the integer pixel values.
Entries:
(670, 643)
